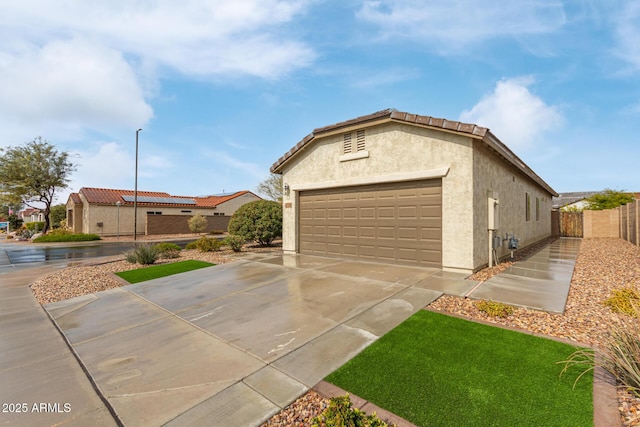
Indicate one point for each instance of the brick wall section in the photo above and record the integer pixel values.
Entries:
(602, 223)
(178, 224)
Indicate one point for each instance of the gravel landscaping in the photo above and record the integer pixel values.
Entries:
(603, 265)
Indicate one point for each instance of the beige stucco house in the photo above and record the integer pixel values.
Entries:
(109, 212)
(403, 188)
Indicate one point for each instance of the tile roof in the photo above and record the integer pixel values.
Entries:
(108, 196)
(565, 199)
(75, 197)
(393, 115)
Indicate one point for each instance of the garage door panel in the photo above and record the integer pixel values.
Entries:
(408, 233)
(408, 212)
(396, 222)
(350, 213)
(334, 213)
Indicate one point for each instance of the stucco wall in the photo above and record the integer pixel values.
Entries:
(108, 216)
(492, 173)
(229, 207)
(395, 152)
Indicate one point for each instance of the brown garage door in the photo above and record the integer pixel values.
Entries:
(396, 222)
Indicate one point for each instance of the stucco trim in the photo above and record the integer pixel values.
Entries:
(398, 177)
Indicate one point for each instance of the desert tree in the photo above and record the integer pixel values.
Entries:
(271, 187)
(33, 173)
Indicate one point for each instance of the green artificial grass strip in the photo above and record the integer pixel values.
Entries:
(157, 271)
(437, 370)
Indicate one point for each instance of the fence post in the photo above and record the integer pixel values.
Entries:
(637, 220)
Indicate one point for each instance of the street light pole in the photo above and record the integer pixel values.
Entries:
(118, 203)
(135, 194)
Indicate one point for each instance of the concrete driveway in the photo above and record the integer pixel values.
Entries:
(231, 345)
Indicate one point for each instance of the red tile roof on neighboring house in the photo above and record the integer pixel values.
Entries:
(75, 197)
(392, 115)
(108, 196)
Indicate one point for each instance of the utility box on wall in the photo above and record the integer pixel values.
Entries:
(493, 210)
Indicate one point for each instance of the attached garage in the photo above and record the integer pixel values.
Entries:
(403, 188)
(393, 222)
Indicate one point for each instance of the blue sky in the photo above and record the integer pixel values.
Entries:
(222, 89)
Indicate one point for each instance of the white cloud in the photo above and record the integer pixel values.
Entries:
(74, 82)
(627, 30)
(453, 25)
(514, 114)
(195, 37)
(108, 165)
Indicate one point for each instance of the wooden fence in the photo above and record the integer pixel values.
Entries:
(571, 224)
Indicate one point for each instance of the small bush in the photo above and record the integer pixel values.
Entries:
(260, 221)
(66, 237)
(59, 232)
(494, 309)
(168, 250)
(340, 413)
(197, 223)
(190, 246)
(39, 225)
(25, 233)
(207, 244)
(620, 357)
(624, 301)
(143, 254)
(234, 242)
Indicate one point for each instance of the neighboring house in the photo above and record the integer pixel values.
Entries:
(410, 189)
(577, 201)
(109, 212)
(573, 201)
(31, 215)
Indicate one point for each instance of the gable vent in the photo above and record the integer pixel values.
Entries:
(360, 142)
(346, 143)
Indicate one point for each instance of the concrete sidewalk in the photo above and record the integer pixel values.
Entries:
(41, 382)
(540, 282)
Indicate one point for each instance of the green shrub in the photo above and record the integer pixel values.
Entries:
(197, 223)
(191, 245)
(494, 309)
(66, 237)
(59, 232)
(260, 221)
(168, 250)
(234, 242)
(143, 254)
(208, 244)
(39, 225)
(624, 301)
(340, 413)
